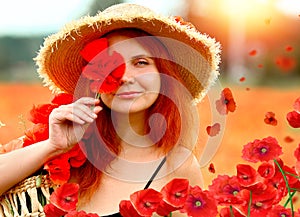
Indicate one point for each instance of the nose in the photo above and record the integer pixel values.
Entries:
(127, 79)
(128, 76)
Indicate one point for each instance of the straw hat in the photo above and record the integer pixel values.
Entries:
(60, 63)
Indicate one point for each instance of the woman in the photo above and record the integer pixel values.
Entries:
(141, 133)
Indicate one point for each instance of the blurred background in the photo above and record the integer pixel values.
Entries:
(260, 62)
(259, 38)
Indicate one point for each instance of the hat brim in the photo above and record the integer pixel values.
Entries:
(60, 63)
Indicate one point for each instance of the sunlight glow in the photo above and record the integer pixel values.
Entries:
(289, 7)
(238, 7)
(246, 7)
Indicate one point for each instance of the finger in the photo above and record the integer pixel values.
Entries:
(88, 101)
(84, 113)
(68, 113)
(94, 108)
(91, 112)
(97, 109)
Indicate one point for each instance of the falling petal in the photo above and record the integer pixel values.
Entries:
(288, 48)
(285, 64)
(288, 139)
(293, 118)
(296, 105)
(252, 52)
(211, 168)
(242, 79)
(270, 118)
(226, 103)
(213, 130)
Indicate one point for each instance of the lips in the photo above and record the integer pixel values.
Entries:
(128, 94)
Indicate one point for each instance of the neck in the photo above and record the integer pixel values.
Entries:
(130, 127)
(131, 130)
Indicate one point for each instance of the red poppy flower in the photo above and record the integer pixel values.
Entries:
(225, 212)
(213, 130)
(261, 202)
(270, 118)
(62, 99)
(40, 113)
(279, 211)
(200, 203)
(38, 132)
(58, 169)
(126, 209)
(296, 105)
(266, 170)
(246, 175)
(290, 175)
(65, 197)
(174, 195)
(80, 214)
(76, 156)
(226, 103)
(297, 167)
(175, 192)
(260, 65)
(297, 152)
(164, 209)
(262, 150)
(294, 119)
(285, 63)
(252, 52)
(53, 211)
(211, 168)
(146, 201)
(225, 190)
(104, 70)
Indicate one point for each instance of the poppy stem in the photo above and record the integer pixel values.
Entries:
(291, 174)
(249, 205)
(231, 211)
(287, 186)
(288, 200)
(97, 96)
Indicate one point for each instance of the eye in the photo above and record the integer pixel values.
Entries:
(141, 62)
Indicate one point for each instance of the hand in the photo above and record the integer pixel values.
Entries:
(67, 123)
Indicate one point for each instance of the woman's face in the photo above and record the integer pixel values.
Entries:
(141, 80)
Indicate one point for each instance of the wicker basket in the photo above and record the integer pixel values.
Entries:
(27, 198)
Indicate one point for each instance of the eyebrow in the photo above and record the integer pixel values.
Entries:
(142, 56)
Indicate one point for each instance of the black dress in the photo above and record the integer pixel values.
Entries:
(146, 186)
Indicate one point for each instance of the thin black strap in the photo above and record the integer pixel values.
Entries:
(155, 172)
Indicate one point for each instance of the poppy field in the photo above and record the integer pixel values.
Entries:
(243, 125)
(254, 116)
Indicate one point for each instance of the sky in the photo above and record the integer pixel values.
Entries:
(30, 17)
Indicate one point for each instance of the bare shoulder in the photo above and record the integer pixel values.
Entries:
(186, 166)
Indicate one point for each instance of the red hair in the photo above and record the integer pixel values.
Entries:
(103, 146)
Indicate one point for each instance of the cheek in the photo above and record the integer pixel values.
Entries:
(151, 82)
(107, 99)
